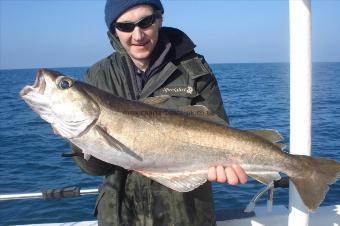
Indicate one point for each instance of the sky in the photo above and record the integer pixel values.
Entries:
(72, 33)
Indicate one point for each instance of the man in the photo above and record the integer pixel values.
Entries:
(151, 60)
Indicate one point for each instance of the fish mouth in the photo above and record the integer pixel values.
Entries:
(37, 97)
(39, 85)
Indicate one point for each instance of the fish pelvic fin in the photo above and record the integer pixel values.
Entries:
(313, 183)
(179, 181)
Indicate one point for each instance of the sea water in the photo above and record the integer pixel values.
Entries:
(254, 96)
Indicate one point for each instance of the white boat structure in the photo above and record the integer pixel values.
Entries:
(324, 216)
(277, 215)
(300, 143)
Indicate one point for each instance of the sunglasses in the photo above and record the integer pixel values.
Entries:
(143, 23)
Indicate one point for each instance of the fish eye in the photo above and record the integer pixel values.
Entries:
(65, 83)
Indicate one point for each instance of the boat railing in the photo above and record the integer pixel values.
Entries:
(48, 194)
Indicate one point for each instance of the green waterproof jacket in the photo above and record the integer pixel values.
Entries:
(128, 198)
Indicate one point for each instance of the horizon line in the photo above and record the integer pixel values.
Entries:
(60, 67)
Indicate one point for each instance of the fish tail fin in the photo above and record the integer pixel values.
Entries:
(312, 183)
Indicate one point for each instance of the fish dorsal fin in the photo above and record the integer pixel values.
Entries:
(201, 111)
(118, 146)
(281, 146)
(271, 135)
(157, 100)
(181, 181)
(265, 177)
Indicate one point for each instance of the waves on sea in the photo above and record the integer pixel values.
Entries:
(254, 95)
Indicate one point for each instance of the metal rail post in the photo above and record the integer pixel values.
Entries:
(300, 97)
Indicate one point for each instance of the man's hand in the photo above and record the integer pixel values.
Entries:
(232, 175)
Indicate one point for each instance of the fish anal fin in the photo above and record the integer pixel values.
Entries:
(118, 146)
(265, 177)
(181, 181)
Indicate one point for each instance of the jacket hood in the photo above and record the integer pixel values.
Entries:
(115, 43)
(181, 44)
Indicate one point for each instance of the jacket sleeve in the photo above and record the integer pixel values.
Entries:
(209, 94)
(93, 166)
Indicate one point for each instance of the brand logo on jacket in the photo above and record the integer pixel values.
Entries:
(177, 90)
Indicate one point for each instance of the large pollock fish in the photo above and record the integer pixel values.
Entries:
(173, 148)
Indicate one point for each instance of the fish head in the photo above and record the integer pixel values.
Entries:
(61, 101)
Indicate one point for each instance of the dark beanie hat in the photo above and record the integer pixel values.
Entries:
(115, 8)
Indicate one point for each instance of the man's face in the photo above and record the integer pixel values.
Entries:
(139, 43)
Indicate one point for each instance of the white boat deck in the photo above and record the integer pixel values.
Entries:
(324, 216)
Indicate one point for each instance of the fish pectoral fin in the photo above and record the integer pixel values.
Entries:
(265, 177)
(201, 111)
(157, 100)
(116, 144)
(181, 181)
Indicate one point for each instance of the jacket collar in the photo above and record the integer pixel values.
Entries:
(180, 42)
